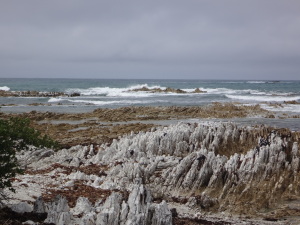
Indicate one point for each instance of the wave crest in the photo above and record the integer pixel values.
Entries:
(4, 88)
(110, 91)
(264, 98)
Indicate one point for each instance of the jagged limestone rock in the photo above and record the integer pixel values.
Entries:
(22, 207)
(138, 209)
(83, 206)
(213, 166)
(110, 211)
(39, 206)
(58, 211)
(162, 215)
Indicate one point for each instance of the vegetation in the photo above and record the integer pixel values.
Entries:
(15, 135)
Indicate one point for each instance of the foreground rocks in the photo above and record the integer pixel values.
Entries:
(210, 173)
(116, 209)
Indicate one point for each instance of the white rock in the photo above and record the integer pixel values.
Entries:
(22, 207)
(83, 206)
(110, 212)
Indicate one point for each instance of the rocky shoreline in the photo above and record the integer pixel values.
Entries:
(166, 90)
(7, 93)
(113, 169)
(30, 94)
(180, 172)
(103, 125)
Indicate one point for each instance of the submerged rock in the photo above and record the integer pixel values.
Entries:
(8, 93)
(166, 90)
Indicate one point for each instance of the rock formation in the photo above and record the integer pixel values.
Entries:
(166, 90)
(167, 174)
(31, 94)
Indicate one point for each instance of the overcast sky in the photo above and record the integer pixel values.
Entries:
(196, 39)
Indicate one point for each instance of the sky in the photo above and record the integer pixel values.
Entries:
(157, 39)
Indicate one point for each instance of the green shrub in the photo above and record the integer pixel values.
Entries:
(15, 135)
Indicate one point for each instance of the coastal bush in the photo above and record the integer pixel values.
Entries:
(15, 135)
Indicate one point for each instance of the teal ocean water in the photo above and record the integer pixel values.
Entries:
(116, 93)
(111, 93)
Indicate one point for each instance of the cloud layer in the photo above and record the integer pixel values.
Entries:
(197, 39)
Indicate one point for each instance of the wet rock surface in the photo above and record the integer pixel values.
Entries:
(166, 90)
(31, 94)
(199, 173)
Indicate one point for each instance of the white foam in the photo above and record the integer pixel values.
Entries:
(114, 92)
(56, 99)
(264, 98)
(230, 91)
(125, 92)
(284, 108)
(138, 86)
(256, 82)
(218, 90)
(234, 82)
(4, 88)
(274, 93)
(121, 102)
(95, 91)
(233, 92)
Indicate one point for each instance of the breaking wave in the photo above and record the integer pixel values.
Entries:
(113, 92)
(53, 100)
(127, 92)
(224, 91)
(98, 102)
(283, 108)
(257, 82)
(4, 88)
(263, 98)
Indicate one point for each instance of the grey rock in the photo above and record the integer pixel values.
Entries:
(58, 211)
(110, 211)
(22, 207)
(39, 206)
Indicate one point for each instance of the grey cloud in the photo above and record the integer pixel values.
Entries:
(148, 39)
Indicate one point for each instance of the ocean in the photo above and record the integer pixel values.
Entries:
(113, 93)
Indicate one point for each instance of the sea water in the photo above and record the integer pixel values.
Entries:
(113, 93)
